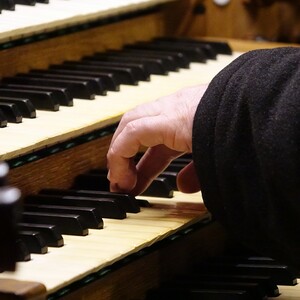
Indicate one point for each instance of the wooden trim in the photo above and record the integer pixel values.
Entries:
(21, 290)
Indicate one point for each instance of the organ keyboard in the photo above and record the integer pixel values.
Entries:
(24, 20)
(129, 256)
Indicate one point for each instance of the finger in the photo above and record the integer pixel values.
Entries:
(153, 162)
(129, 178)
(187, 180)
(147, 132)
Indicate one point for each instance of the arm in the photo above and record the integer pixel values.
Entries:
(246, 150)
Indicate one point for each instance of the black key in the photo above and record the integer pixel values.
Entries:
(175, 166)
(138, 70)
(208, 50)
(109, 80)
(43, 1)
(197, 52)
(95, 83)
(124, 75)
(63, 94)
(171, 61)
(11, 112)
(7, 4)
(265, 282)
(128, 202)
(50, 233)
(168, 61)
(219, 46)
(165, 63)
(91, 181)
(41, 100)
(151, 65)
(67, 223)
(25, 106)
(159, 187)
(281, 274)
(23, 253)
(109, 207)
(177, 293)
(78, 88)
(90, 215)
(180, 59)
(254, 289)
(172, 178)
(34, 241)
(195, 55)
(3, 120)
(26, 2)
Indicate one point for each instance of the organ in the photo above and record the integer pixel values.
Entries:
(127, 257)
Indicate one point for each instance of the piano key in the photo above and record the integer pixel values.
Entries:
(97, 83)
(25, 2)
(219, 46)
(195, 55)
(197, 52)
(50, 233)
(78, 88)
(125, 75)
(169, 61)
(96, 181)
(11, 112)
(152, 65)
(23, 253)
(159, 187)
(265, 281)
(7, 4)
(255, 290)
(41, 100)
(208, 50)
(109, 207)
(61, 95)
(138, 70)
(90, 215)
(25, 106)
(26, 81)
(110, 82)
(43, 1)
(179, 58)
(191, 294)
(172, 178)
(128, 202)
(3, 119)
(34, 241)
(67, 223)
(281, 274)
(175, 166)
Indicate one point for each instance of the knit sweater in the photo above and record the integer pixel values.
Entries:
(246, 149)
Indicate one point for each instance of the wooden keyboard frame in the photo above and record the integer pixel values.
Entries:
(59, 169)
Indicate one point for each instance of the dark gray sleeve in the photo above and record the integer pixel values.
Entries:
(246, 146)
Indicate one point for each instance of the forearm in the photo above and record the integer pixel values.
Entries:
(246, 150)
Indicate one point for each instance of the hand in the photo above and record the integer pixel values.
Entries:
(165, 128)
